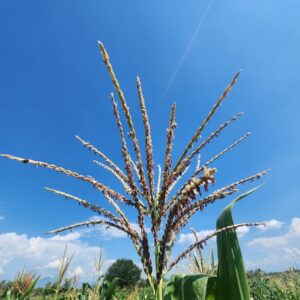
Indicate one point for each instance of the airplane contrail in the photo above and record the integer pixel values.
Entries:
(189, 46)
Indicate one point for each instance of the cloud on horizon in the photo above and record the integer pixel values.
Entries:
(44, 255)
(277, 252)
(270, 225)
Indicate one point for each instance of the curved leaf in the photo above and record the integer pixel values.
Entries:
(232, 283)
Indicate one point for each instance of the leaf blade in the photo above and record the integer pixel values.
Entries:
(232, 283)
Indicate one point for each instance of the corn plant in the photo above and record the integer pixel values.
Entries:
(281, 286)
(202, 265)
(22, 286)
(171, 202)
(61, 278)
(98, 264)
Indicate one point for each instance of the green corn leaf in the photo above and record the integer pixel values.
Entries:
(8, 295)
(197, 264)
(108, 289)
(212, 264)
(232, 283)
(187, 287)
(29, 290)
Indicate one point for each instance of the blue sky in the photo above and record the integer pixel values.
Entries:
(54, 85)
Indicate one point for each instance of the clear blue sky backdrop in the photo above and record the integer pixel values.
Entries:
(54, 85)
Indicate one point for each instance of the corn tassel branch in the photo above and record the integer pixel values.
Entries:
(215, 134)
(134, 189)
(112, 171)
(181, 219)
(206, 120)
(95, 208)
(168, 161)
(203, 168)
(115, 169)
(148, 139)
(106, 191)
(125, 107)
(93, 223)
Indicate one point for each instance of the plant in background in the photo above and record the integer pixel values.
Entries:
(275, 286)
(98, 264)
(4, 287)
(22, 286)
(202, 265)
(62, 283)
(196, 262)
(102, 288)
(168, 210)
(64, 287)
(127, 273)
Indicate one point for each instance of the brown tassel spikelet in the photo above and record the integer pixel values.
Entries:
(134, 190)
(148, 139)
(125, 153)
(128, 119)
(168, 161)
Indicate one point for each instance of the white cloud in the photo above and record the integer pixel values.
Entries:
(189, 238)
(72, 236)
(276, 252)
(44, 255)
(268, 242)
(295, 227)
(242, 231)
(270, 225)
(54, 264)
(280, 240)
(78, 271)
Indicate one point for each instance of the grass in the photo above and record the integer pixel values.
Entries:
(263, 286)
(275, 286)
